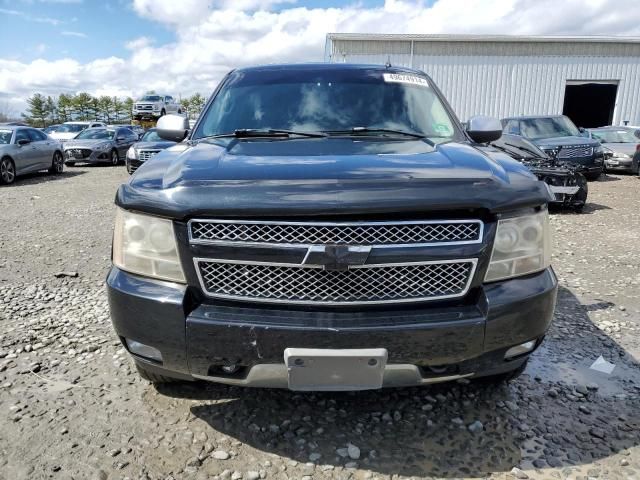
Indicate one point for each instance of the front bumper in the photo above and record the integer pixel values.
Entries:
(619, 164)
(96, 156)
(425, 343)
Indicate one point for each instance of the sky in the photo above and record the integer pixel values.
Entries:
(179, 47)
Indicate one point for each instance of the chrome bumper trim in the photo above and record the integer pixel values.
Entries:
(274, 375)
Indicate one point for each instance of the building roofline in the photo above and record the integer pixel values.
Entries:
(483, 38)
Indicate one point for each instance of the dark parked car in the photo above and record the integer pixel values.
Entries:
(560, 138)
(330, 227)
(622, 143)
(99, 145)
(25, 150)
(567, 184)
(149, 145)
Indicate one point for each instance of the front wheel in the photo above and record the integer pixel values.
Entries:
(592, 176)
(7, 171)
(163, 112)
(505, 377)
(115, 159)
(153, 377)
(179, 111)
(57, 164)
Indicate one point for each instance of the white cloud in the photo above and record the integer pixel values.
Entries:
(69, 33)
(138, 43)
(216, 36)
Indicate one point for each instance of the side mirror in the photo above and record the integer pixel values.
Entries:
(23, 141)
(484, 129)
(174, 128)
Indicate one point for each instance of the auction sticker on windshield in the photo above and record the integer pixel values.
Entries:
(405, 78)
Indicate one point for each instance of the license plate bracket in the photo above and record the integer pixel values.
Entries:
(312, 369)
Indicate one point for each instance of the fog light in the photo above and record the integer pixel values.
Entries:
(521, 349)
(143, 350)
(229, 369)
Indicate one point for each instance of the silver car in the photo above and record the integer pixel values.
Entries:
(24, 150)
(621, 143)
(99, 145)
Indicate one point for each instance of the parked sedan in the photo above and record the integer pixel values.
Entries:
(622, 143)
(24, 150)
(148, 146)
(99, 145)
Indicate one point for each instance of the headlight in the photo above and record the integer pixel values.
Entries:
(146, 245)
(131, 153)
(102, 146)
(522, 246)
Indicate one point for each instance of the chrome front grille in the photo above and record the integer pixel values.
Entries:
(365, 284)
(362, 233)
(144, 155)
(575, 152)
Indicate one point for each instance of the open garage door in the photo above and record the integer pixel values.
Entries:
(590, 103)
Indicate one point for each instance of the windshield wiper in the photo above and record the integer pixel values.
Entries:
(266, 133)
(366, 130)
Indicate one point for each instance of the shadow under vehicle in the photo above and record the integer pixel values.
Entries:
(567, 183)
(559, 414)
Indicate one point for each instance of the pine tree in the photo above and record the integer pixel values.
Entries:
(66, 108)
(36, 113)
(83, 105)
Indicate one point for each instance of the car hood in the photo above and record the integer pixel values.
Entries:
(161, 145)
(566, 142)
(63, 135)
(88, 143)
(627, 148)
(335, 176)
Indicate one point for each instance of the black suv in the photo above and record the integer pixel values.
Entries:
(330, 227)
(559, 138)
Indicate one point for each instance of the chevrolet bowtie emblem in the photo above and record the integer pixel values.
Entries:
(336, 257)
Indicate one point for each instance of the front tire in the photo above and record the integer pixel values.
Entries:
(7, 171)
(592, 176)
(505, 377)
(163, 112)
(154, 377)
(57, 164)
(115, 159)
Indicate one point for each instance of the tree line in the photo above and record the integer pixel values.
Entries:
(43, 111)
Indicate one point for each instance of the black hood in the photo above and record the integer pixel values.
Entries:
(333, 176)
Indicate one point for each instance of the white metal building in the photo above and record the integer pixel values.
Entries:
(593, 80)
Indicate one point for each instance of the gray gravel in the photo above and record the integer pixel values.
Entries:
(72, 406)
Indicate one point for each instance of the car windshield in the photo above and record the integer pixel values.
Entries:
(552, 127)
(150, 98)
(328, 101)
(151, 136)
(615, 136)
(96, 134)
(5, 137)
(71, 128)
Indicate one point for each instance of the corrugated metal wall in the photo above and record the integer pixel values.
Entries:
(503, 79)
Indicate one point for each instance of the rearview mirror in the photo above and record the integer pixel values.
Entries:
(23, 141)
(484, 129)
(174, 128)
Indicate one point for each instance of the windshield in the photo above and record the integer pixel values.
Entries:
(150, 98)
(333, 100)
(5, 137)
(71, 128)
(553, 127)
(615, 136)
(96, 134)
(151, 136)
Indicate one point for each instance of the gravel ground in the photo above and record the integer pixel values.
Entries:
(72, 406)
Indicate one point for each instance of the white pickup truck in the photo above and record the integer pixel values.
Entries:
(153, 106)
